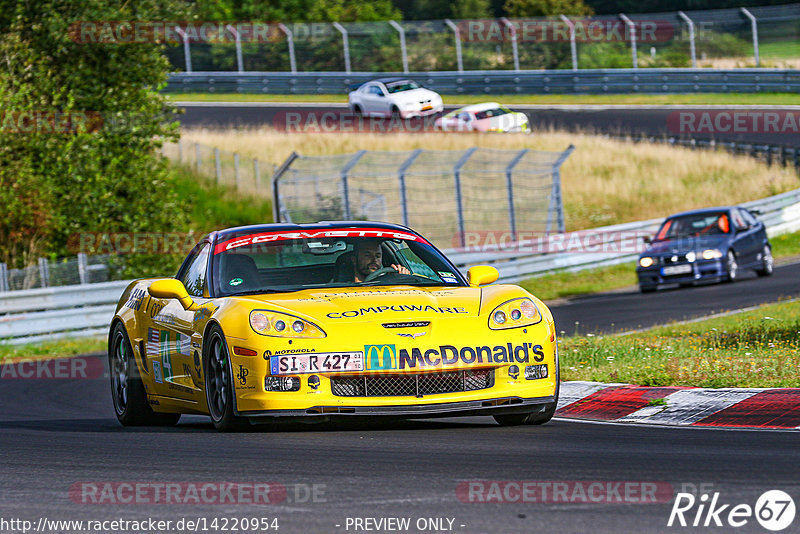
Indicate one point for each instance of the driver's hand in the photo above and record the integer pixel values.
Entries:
(401, 269)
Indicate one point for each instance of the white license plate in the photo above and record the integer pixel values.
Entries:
(676, 269)
(426, 108)
(316, 362)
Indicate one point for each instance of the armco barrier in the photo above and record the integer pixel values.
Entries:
(598, 81)
(38, 314)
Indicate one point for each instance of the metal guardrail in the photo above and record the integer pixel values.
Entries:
(487, 82)
(83, 310)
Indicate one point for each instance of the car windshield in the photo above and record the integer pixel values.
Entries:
(399, 87)
(489, 113)
(694, 226)
(289, 260)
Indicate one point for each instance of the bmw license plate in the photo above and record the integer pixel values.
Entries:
(316, 362)
(676, 269)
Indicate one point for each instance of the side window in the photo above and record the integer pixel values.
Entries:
(194, 276)
(748, 217)
(375, 90)
(738, 220)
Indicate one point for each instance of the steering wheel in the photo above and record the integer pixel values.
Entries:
(380, 272)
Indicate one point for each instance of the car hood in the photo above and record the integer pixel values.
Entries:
(388, 303)
(414, 95)
(686, 244)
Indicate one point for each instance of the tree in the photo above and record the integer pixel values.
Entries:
(545, 8)
(470, 9)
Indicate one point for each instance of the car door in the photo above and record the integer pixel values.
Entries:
(374, 100)
(172, 346)
(746, 244)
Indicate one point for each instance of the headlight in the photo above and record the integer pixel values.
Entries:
(691, 256)
(712, 254)
(277, 324)
(646, 261)
(514, 313)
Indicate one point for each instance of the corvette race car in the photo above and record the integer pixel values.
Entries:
(287, 322)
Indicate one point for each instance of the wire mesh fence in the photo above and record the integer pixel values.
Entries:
(444, 194)
(80, 269)
(244, 174)
(724, 38)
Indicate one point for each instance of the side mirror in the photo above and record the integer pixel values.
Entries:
(480, 275)
(170, 288)
(647, 239)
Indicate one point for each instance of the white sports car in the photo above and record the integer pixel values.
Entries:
(387, 97)
(486, 117)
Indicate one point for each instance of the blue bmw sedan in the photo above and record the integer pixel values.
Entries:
(712, 244)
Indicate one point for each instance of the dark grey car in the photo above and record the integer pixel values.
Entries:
(712, 244)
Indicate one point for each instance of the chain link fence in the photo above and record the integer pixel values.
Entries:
(722, 38)
(80, 269)
(444, 194)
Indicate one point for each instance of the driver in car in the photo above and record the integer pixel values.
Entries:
(368, 258)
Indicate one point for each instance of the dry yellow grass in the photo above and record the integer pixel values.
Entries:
(605, 181)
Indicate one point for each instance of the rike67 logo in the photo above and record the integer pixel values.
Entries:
(774, 510)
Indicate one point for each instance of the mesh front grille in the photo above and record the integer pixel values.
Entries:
(412, 385)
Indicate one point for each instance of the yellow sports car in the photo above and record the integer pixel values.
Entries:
(287, 322)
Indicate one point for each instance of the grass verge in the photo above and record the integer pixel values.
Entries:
(759, 348)
(766, 99)
(570, 284)
(58, 348)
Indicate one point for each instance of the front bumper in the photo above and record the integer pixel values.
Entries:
(702, 271)
(410, 113)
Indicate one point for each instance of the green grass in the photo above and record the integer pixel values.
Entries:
(569, 284)
(780, 50)
(750, 349)
(60, 348)
(641, 99)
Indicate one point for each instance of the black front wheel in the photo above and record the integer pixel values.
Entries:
(219, 384)
(731, 267)
(767, 262)
(127, 390)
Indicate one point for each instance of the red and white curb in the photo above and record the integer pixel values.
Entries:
(767, 408)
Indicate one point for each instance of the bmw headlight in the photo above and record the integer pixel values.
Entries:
(691, 256)
(711, 254)
(514, 313)
(646, 261)
(277, 324)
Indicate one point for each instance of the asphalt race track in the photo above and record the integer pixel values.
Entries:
(57, 435)
(640, 120)
(630, 310)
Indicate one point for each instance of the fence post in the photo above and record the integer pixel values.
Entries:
(401, 176)
(573, 47)
(457, 33)
(290, 41)
(514, 48)
(403, 52)
(4, 285)
(180, 150)
(197, 160)
(187, 53)
(632, 28)
(692, 50)
(276, 202)
(754, 29)
(345, 188)
(238, 43)
(83, 268)
(217, 166)
(512, 218)
(345, 46)
(459, 202)
(44, 272)
(236, 170)
(257, 174)
(556, 201)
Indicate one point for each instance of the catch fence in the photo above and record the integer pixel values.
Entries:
(444, 194)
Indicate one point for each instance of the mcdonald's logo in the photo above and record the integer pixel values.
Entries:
(380, 356)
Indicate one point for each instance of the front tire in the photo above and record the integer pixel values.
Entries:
(219, 383)
(127, 390)
(731, 267)
(767, 262)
